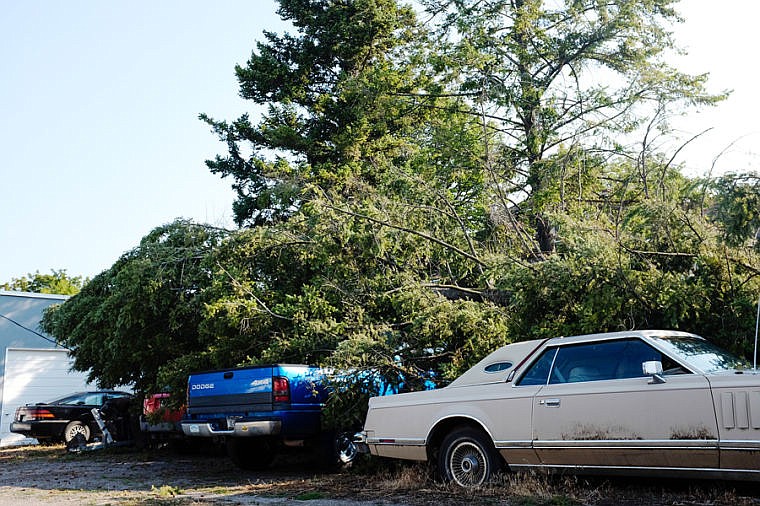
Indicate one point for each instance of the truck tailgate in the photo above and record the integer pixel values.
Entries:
(234, 390)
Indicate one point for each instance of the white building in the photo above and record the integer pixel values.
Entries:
(33, 368)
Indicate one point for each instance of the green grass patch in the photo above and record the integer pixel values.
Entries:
(165, 491)
(309, 496)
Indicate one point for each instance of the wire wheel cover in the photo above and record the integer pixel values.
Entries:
(468, 464)
(73, 430)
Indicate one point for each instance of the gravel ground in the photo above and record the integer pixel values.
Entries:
(49, 475)
(35, 475)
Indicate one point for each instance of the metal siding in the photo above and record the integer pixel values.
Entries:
(26, 310)
(36, 376)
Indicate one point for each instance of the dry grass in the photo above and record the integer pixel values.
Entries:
(413, 484)
(16, 453)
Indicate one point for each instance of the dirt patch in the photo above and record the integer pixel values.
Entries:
(35, 475)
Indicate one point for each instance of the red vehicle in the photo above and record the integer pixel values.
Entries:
(158, 422)
(155, 406)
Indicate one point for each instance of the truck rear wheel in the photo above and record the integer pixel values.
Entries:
(346, 448)
(334, 450)
(252, 454)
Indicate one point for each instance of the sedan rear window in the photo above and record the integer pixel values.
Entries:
(498, 366)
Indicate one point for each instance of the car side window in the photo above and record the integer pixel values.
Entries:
(74, 400)
(538, 372)
(607, 360)
(635, 353)
(94, 399)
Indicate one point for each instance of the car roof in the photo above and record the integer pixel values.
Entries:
(86, 392)
(516, 353)
(606, 336)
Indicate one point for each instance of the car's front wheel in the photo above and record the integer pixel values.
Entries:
(467, 457)
(73, 429)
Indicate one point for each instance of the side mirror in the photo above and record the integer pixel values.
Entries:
(653, 368)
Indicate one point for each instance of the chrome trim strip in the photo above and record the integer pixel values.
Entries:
(745, 446)
(709, 444)
(704, 444)
(639, 468)
(396, 441)
(503, 445)
(743, 442)
(458, 415)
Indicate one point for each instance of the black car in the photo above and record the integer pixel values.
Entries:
(63, 419)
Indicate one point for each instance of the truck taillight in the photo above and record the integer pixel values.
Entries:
(150, 406)
(280, 389)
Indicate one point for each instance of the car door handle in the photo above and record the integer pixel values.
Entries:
(549, 403)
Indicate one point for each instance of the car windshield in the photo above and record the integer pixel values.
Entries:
(702, 354)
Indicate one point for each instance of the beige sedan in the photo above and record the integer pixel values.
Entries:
(638, 402)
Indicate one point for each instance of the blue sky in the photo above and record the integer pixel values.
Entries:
(99, 101)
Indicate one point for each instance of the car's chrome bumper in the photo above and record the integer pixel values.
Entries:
(21, 427)
(360, 442)
(240, 428)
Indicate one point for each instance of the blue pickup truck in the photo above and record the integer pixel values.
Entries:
(259, 410)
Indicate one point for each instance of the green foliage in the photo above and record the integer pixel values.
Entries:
(132, 319)
(558, 76)
(57, 282)
(334, 95)
(737, 208)
(347, 300)
(645, 264)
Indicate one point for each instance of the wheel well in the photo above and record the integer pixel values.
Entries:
(444, 427)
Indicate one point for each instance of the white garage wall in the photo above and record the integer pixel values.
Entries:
(34, 375)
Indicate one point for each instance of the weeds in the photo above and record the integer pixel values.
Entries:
(165, 491)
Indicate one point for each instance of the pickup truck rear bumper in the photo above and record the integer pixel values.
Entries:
(240, 428)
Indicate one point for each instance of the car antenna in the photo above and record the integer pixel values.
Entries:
(757, 325)
(757, 319)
